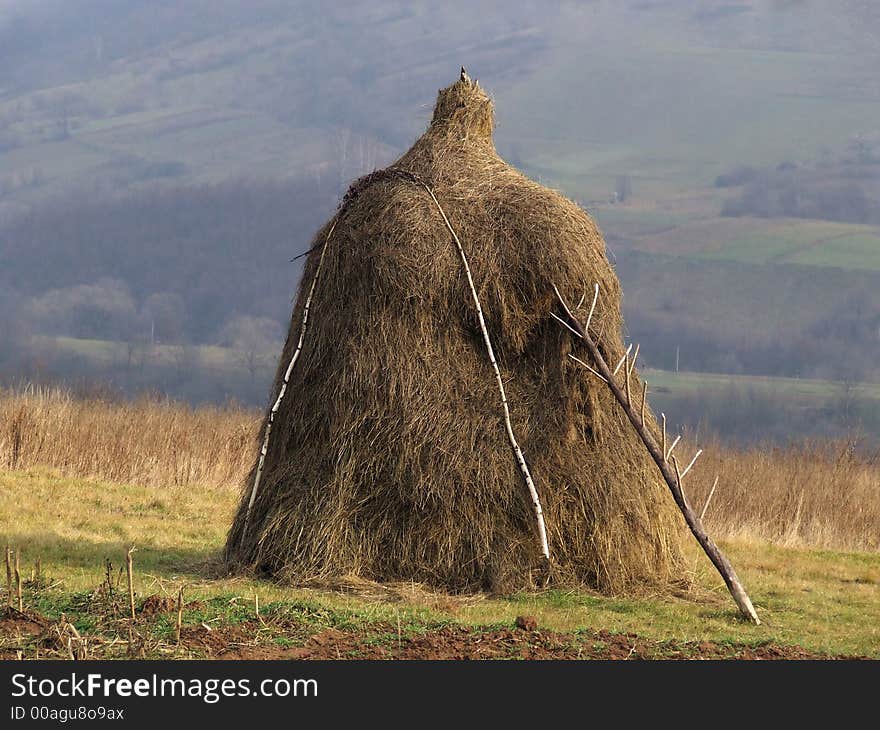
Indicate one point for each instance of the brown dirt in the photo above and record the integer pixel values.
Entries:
(526, 623)
(14, 625)
(156, 604)
(381, 641)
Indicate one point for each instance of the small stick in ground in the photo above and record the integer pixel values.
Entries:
(9, 575)
(179, 614)
(108, 569)
(38, 572)
(18, 579)
(130, 572)
(257, 607)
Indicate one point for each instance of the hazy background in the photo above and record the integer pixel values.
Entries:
(161, 161)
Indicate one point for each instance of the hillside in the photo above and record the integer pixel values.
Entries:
(169, 159)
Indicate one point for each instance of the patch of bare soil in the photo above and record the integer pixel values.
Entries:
(381, 641)
(17, 623)
(156, 604)
(14, 625)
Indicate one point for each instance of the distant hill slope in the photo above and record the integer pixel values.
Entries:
(111, 95)
(188, 149)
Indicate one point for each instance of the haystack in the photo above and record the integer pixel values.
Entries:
(389, 456)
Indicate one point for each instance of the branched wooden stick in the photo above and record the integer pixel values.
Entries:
(523, 467)
(583, 364)
(561, 321)
(592, 308)
(672, 447)
(632, 364)
(271, 419)
(622, 360)
(678, 481)
(689, 466)
(721, 563)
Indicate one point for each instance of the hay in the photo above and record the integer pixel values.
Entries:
(389, 458)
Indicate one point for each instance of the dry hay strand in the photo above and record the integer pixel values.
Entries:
(409, 593)
(389, 458)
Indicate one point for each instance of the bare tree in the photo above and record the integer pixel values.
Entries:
(254, 340)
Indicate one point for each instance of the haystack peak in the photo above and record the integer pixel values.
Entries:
(464, 108)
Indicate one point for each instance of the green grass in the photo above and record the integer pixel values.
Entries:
(854, 251)
(755, 241)
(822, 600)
(796, 388)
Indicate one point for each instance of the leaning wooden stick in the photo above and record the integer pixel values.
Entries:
(269, 421)
(523, 466)
(721, 563)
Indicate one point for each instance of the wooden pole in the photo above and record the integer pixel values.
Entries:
(271, 419)
(521, 461)
(719, 560)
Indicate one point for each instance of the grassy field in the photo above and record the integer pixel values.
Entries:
(808, 389)
(700, 234)
(83, 481)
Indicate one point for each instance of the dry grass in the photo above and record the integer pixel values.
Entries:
(816, 494)
(822, 494)
(146, 442)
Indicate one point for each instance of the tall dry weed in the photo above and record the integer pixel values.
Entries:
(823, 494)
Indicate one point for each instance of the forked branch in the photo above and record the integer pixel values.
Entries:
(661, 459)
